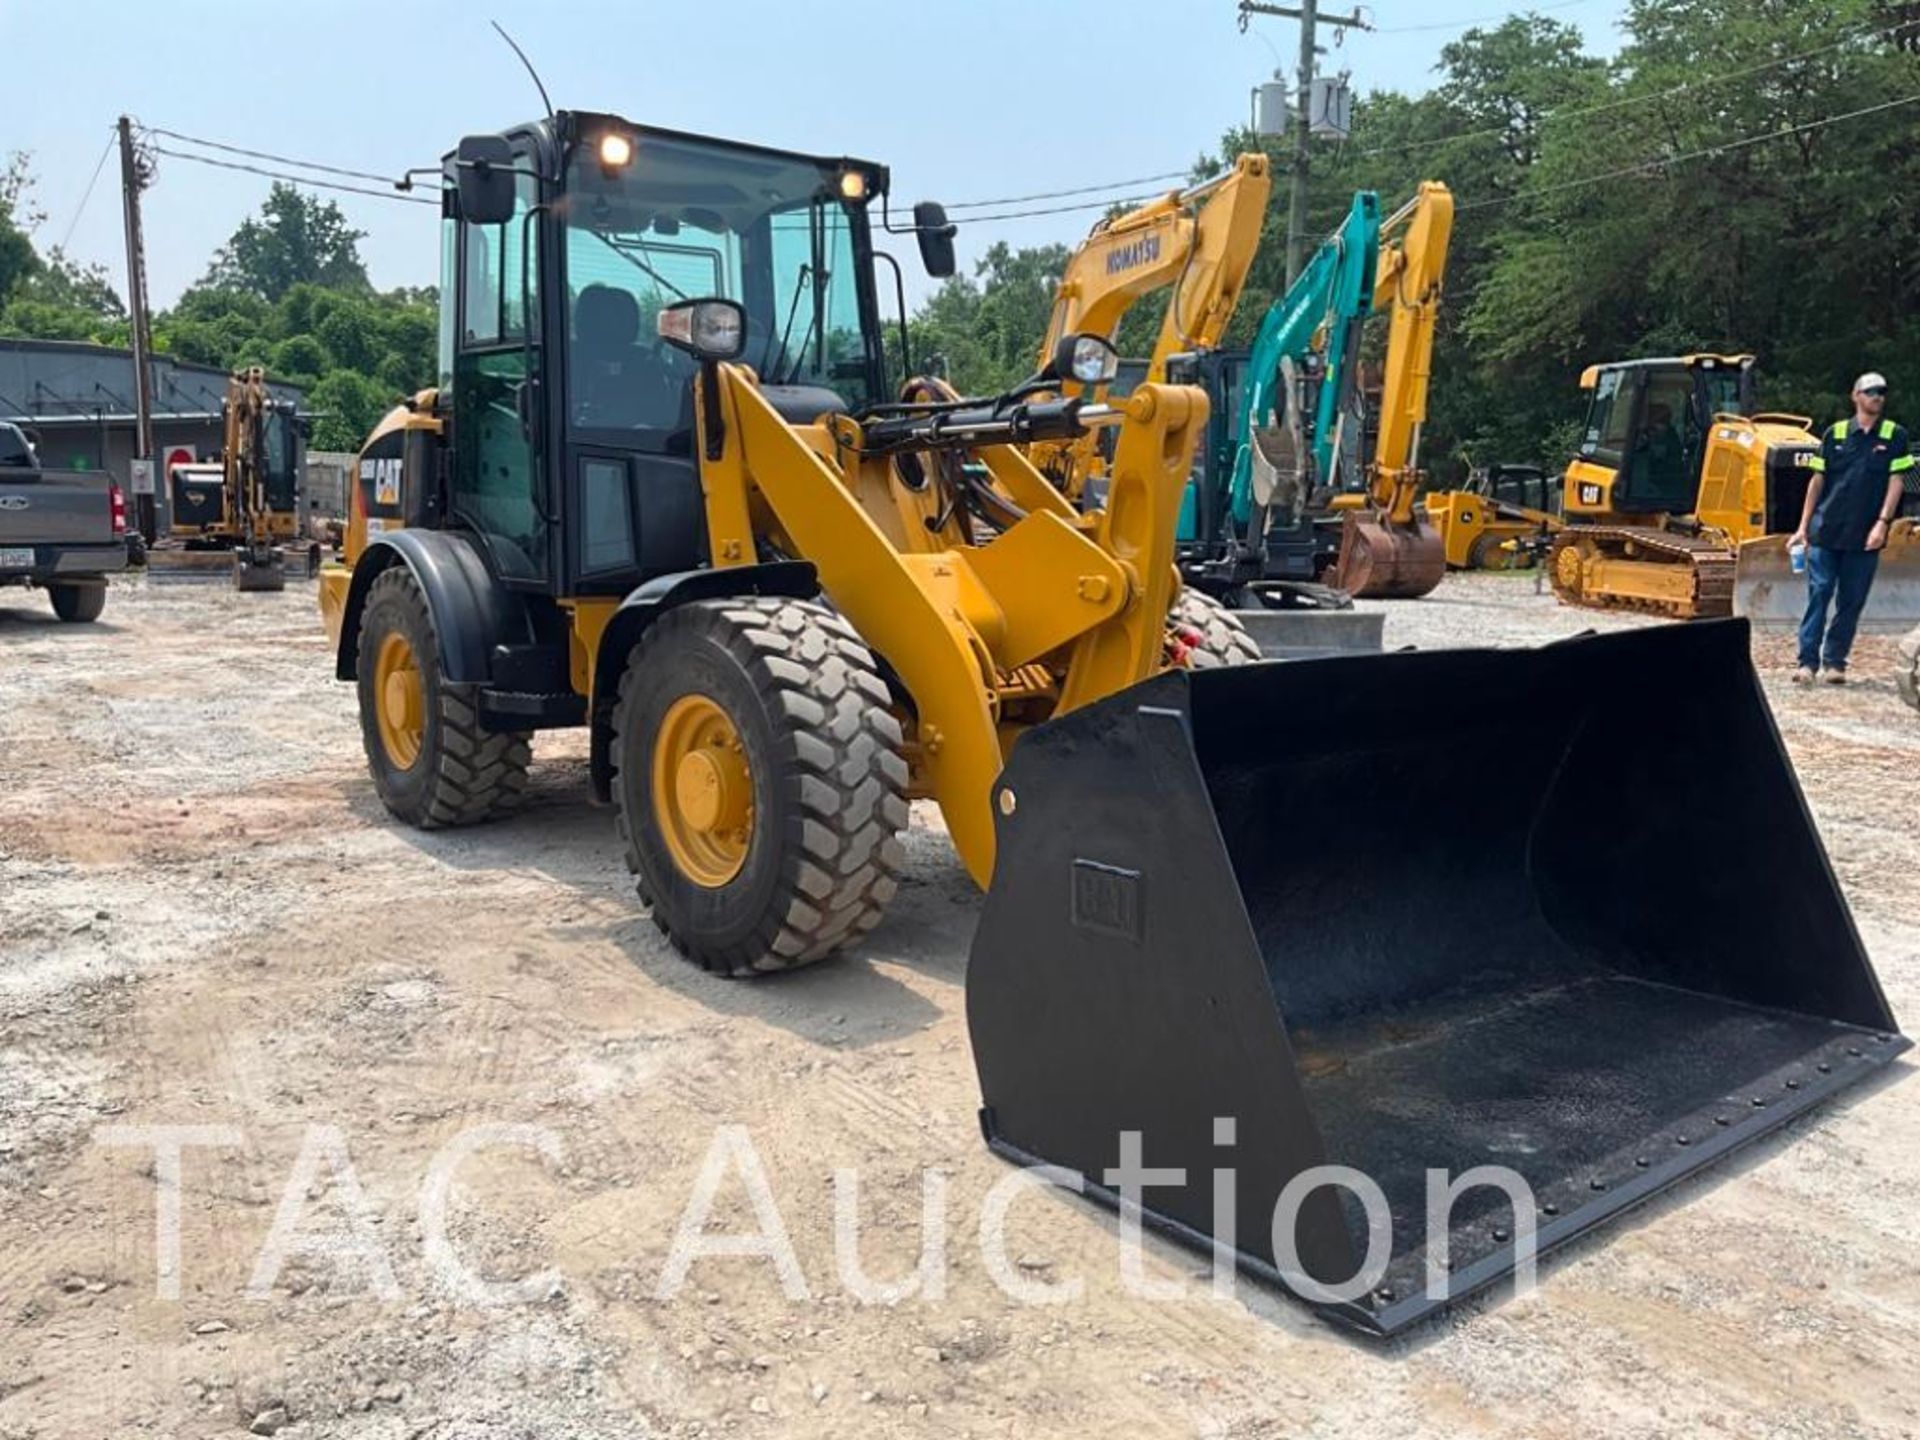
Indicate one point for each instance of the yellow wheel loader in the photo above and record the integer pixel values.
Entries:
(248, 503)
(664, 491)
(1681, 500)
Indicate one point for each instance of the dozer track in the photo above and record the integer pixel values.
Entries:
(1645, 569)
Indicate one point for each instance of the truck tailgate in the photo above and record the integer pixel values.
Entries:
(55, 507)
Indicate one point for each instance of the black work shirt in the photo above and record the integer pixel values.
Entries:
(1857, 464)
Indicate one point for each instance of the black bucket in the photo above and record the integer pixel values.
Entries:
(1559, 910)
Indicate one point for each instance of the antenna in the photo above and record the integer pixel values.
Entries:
(535, 74)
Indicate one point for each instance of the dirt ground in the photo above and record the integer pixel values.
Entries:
(206, 919)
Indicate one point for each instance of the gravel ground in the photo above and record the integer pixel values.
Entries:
(207, 920)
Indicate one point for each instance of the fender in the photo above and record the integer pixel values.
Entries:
(794, 578)
(472, 612)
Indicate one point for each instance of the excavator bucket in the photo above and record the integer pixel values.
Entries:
(253, 572)
(1383, 561)
(1767, 592)
(1241, 926)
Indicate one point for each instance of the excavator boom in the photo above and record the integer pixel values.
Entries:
(1200, 241)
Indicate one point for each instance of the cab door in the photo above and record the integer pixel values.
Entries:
(497, 489)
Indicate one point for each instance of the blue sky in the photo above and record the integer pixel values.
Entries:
(978, 99)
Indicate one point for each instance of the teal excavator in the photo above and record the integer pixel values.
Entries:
(1282, 495)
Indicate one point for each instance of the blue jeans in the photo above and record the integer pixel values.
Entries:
(1840, 579)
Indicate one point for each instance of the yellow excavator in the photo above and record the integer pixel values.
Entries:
(664, 491)
(248, 503)
(1682, 497)
(1200, 242)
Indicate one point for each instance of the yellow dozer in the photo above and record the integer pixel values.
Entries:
(1681, 500)
(664, 491)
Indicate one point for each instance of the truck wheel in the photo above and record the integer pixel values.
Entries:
(761, 784)
(1223, 640)
(76, 603)
(432, 762)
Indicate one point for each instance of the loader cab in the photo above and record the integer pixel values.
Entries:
(1648, 422)
(569, 423)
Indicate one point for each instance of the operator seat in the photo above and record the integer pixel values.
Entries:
(618, 383)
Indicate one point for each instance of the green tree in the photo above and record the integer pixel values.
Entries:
(347, 405)
(296, 238)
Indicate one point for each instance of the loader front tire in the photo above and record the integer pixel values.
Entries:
(1222, 639)
(760, 781)
(432, 763)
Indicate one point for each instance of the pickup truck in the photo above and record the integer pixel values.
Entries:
(62, 530)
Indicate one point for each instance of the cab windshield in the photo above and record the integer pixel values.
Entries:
(686, 220)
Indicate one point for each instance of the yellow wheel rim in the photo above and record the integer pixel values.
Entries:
(702, 791)
(399, 701)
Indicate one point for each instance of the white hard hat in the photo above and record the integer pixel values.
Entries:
(1872, 380)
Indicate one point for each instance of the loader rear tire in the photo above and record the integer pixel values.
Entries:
(761, 782)
(432, 763)
(1223, 639)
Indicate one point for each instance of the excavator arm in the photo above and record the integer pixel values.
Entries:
(1320, 315)
(1386, 551)
(1413, 262)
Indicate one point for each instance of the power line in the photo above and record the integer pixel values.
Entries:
(87, 194)
(1474, 20)
(1724, 148)
(1061, 194)
(295, 179)
(1622, 101)
(1105, 204)
(274, 159)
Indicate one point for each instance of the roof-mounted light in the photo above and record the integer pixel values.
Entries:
(616, 150)
(853, 185)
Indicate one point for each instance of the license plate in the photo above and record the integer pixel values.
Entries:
(16, 558)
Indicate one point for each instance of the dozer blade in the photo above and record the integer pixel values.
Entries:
(1242, 914)
(1382, 561)
(1768, 593)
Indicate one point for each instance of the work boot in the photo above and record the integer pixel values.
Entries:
(1803, 675)
(1834, 675)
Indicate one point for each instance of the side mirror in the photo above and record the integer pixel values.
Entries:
(483, 167)
(1084, 360)
(711, 329)
(935, 234)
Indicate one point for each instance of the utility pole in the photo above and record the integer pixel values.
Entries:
(134, 176)
(1310, 18)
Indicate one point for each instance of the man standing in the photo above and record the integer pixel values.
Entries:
(1852, 502)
